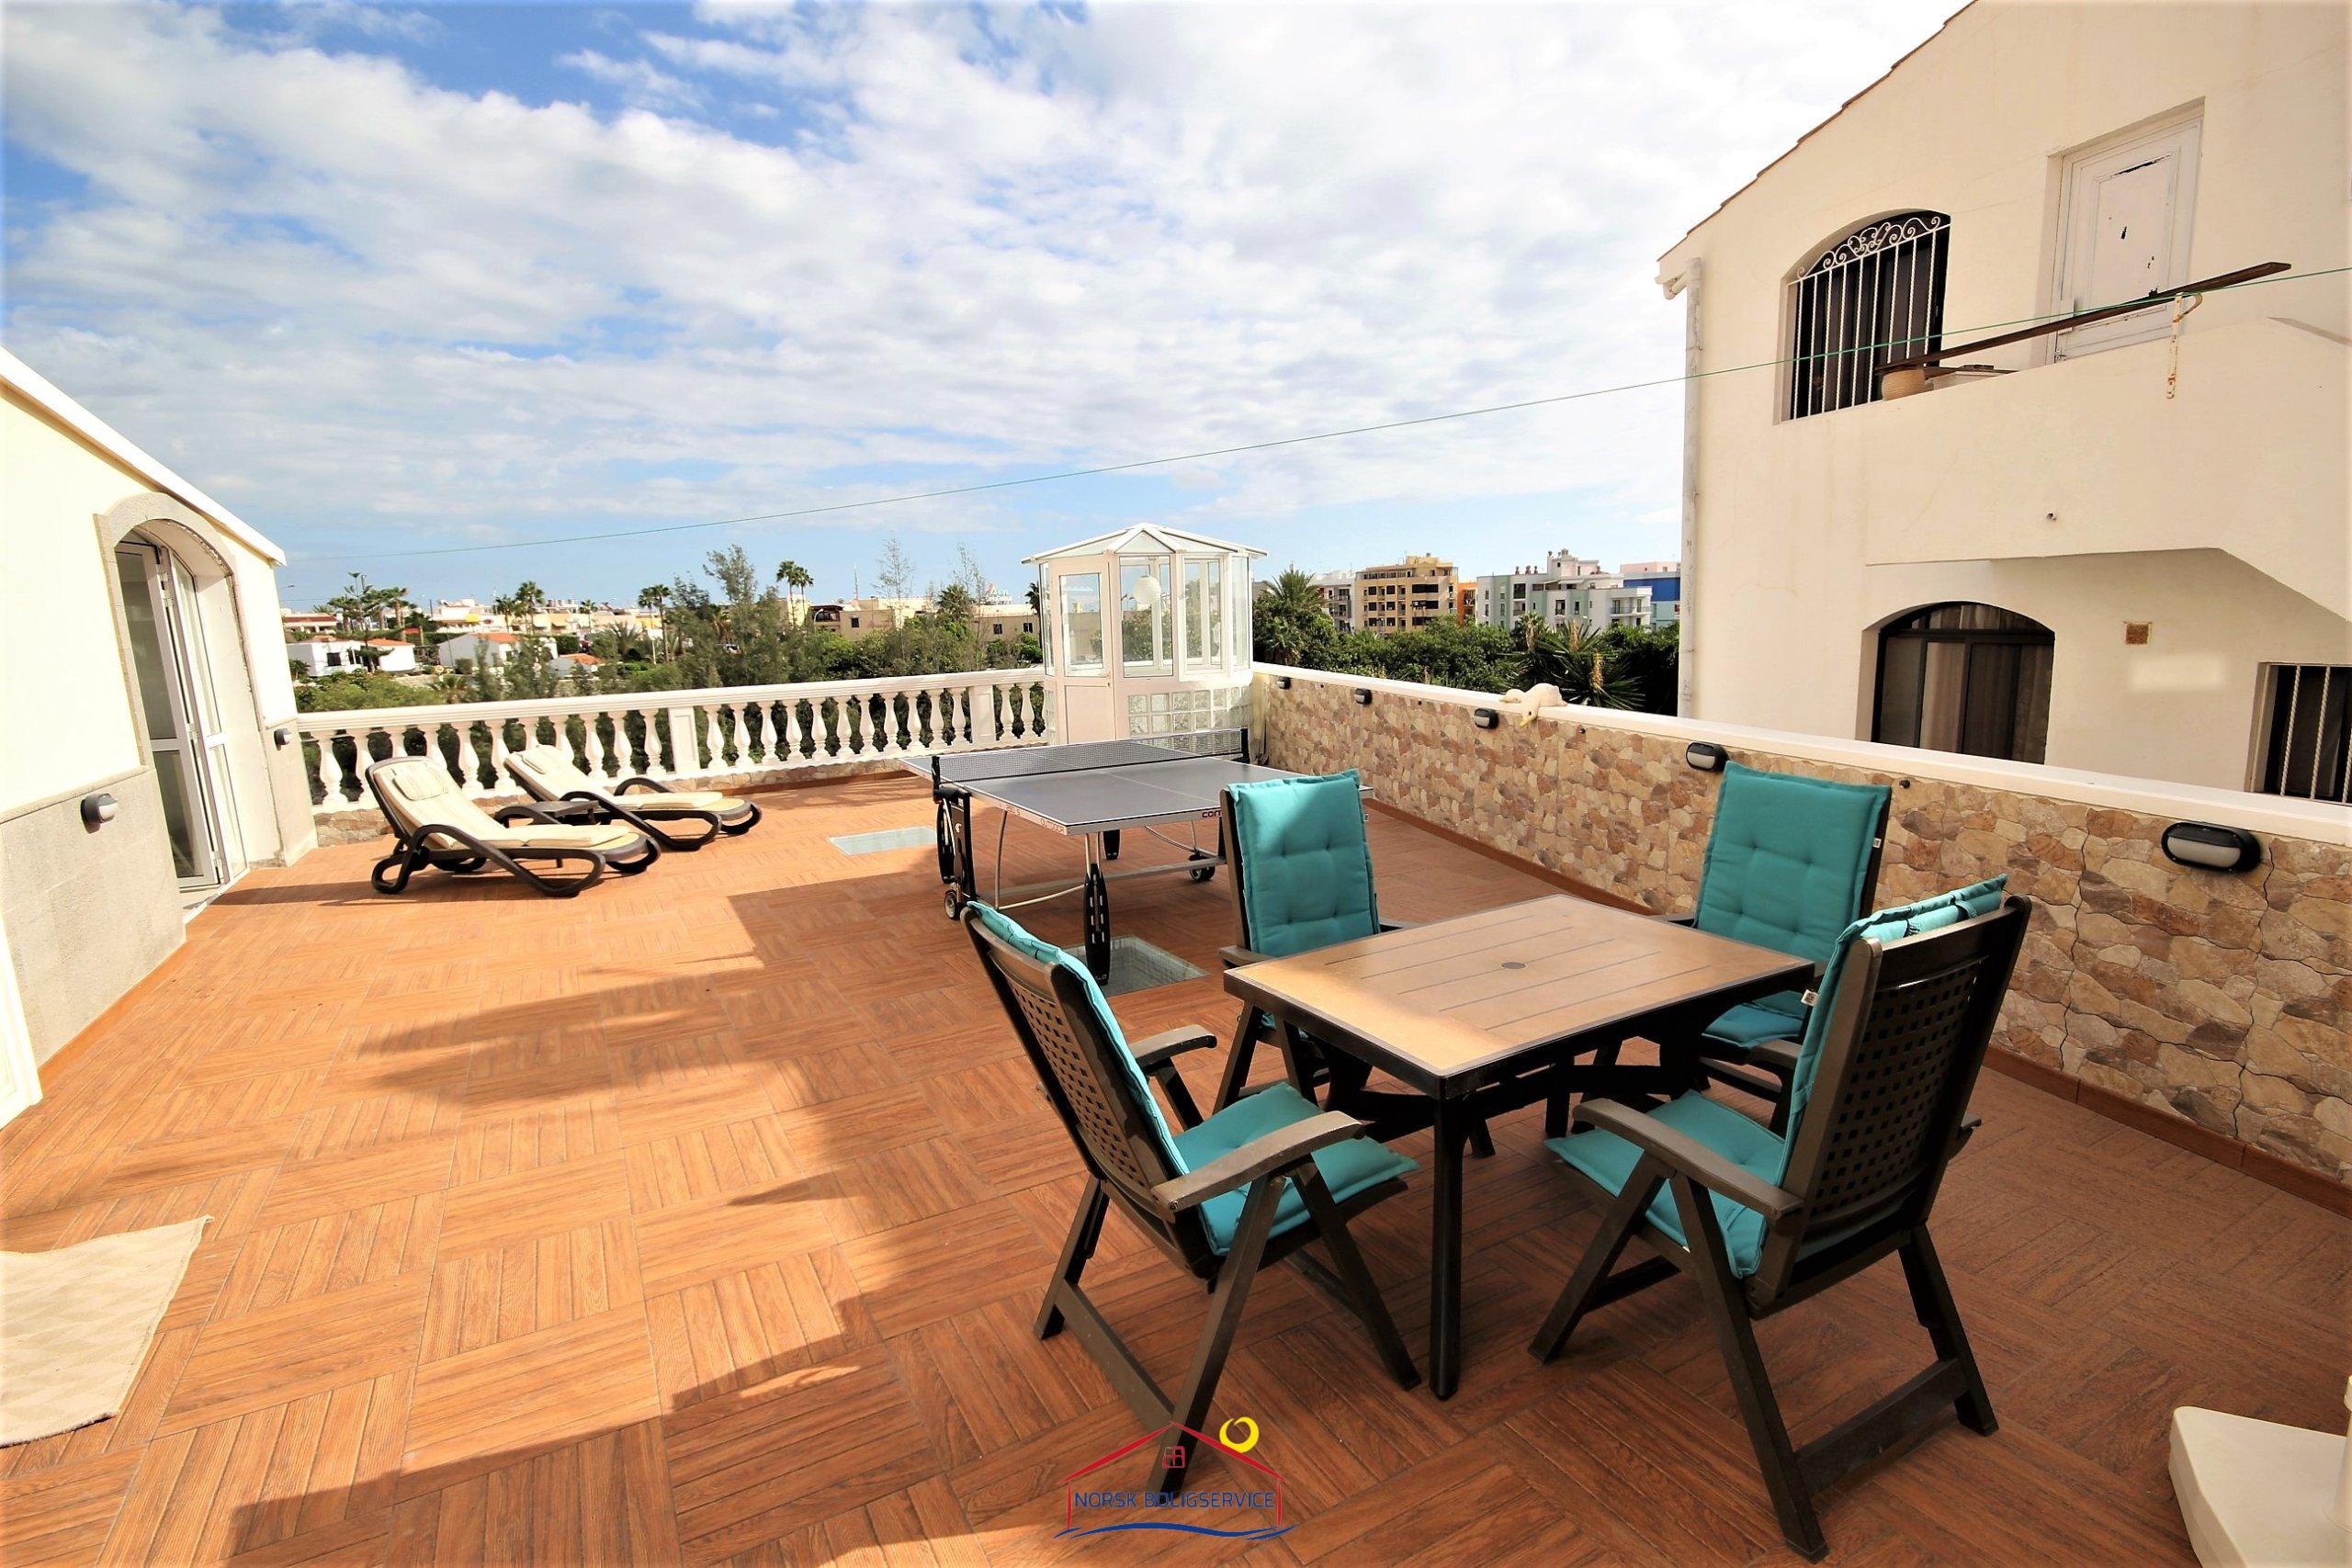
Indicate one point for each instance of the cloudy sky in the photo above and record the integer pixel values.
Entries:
(388, 279)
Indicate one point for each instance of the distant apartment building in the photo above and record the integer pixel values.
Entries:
(1338, 591)
(1664, 580)
(1405, 596)
(1466, 601)
(2114, 545)
(306, 622)
(866, 617)
(1567, 588)
(462, 614)
(1007, 622)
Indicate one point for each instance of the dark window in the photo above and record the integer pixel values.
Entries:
(1876, 295)
(1970, 678)
(2307, 733)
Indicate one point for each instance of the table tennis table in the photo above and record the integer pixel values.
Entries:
(1091, 791)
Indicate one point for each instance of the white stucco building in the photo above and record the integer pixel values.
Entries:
(477, 650)
(2121, 548)
(150, 759)
(1566, 587)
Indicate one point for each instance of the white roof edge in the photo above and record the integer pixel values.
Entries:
(1102, 543)
(45, 395)
(1672, 282)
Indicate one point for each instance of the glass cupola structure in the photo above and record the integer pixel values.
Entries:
(1146, 632)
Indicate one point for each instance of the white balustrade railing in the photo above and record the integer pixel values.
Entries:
(723, 730)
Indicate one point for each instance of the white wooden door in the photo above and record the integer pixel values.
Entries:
(2129, 212)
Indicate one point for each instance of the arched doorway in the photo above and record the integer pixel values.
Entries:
(179, 710)
(1965, 677)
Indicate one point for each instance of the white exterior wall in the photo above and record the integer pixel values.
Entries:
(74, 726)
(2078, 492)
(87, 909)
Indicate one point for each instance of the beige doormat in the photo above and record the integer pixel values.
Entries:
(74, 1325)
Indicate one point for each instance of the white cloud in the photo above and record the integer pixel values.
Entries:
(643, 84)
(347, 296)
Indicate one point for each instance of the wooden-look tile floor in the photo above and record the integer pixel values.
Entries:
(702, 1218)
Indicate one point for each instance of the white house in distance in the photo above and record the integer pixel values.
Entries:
(477, 650)
(152, 759)
(330, 655)
(391, 655)
(576, 666)
(2121, 549)
(325, 655)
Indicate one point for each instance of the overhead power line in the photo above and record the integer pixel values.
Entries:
(1266, 446)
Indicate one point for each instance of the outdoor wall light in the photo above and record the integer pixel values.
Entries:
(1485, 719)
(282, 736)
(2211, 847)
(99, 809)
(1705, 756)
(1282, 682)
(1364, 696)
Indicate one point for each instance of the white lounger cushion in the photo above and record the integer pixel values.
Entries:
(421, 795)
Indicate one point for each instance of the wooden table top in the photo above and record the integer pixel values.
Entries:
(1443, 1001)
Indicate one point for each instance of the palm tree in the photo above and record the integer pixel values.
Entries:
(1290, 623)
(526, 601)
(1573, 659)
(795, 576)
(654, 599)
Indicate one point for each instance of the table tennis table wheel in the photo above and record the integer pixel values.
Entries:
(955, 903)
(1203, 872)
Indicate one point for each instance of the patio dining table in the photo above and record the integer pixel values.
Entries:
(1484, 1013)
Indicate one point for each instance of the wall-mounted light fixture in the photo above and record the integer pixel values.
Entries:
(281, 735)
(1364, 696)
(1705, 756)
(2211, 847)
(1485, 719)
(99, 809)
(1282, 682)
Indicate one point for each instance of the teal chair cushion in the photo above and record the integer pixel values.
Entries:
(1038, 950)
(1610, 1159)
(1881, 926)
(1306, 864)
(1348, 1169)
(1781, 1016)
(1788, 860)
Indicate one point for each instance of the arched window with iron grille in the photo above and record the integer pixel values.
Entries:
(1876, 295)
(1965, 677)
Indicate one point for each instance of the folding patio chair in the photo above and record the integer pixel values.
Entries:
(1791, 861)
(1301, 872)
(1251, 1185)
(435, 824)
(1878, 1104)
(546, 775)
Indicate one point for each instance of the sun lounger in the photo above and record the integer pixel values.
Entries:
(546, 774)
(435, 824)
